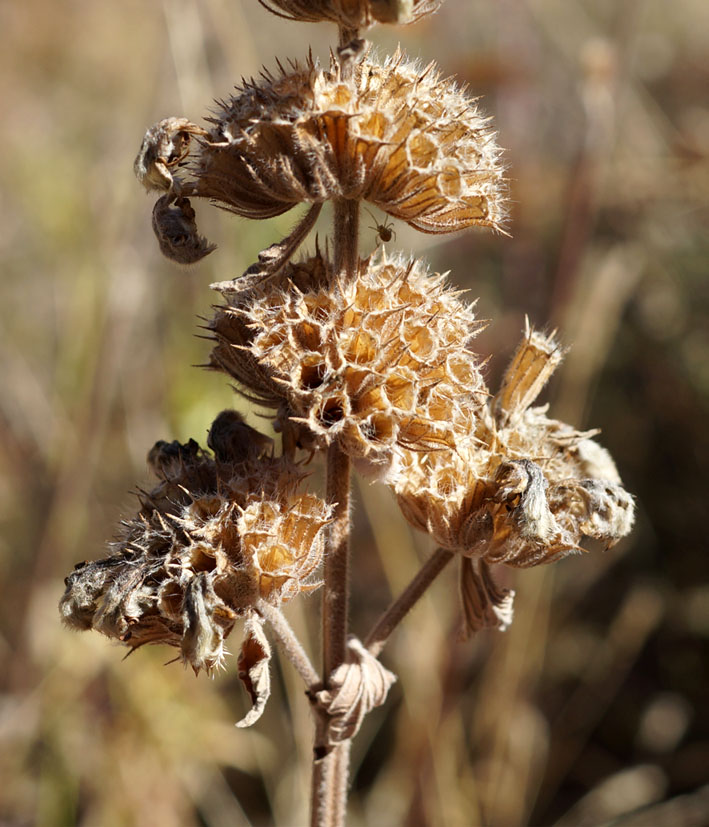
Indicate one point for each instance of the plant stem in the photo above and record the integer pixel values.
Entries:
(347, 35)
(346, 231)
(377, 638)
(341, 775)
(336, 591)
(331, 771)
(289, 643)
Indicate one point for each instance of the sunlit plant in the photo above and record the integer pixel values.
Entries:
(366, 361)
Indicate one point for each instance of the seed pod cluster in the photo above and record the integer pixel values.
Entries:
(212, 538)
(394, 134)
(523, 489)
(369, 356)
(380, 362)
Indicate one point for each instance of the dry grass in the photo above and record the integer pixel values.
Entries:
(593, 703)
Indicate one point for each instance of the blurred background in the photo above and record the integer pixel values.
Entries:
(592, 709)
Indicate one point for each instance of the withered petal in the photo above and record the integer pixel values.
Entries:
(485, 604)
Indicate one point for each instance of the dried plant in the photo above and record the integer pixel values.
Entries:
(367, 361)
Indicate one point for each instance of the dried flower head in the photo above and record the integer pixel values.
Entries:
(393, 134)
(353, 14)
(523, 489)
(212, 539)
(382, 361)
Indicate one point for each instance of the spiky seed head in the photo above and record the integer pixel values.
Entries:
(393, 134)
(379, 362)
(521, 489)
(211, 540)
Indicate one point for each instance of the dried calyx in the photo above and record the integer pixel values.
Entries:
(356, 687)
(214, 537)
(393, 134)
(523, 489)
(380, 362)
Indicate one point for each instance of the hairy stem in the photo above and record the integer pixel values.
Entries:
(377, 638)
(346, 230)
(289, 643)
(321, 807)
(331, 770)
(347, 35)
(336, 592)
(341, 774)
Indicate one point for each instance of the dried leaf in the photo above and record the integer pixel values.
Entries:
(165, 145)
(232, 440)
(356, 687)
(535, 359)
(353, 13)
(604, 509)
(532, 514)
(176, 231)
(206, 621)
(254, 660)
(273, 259)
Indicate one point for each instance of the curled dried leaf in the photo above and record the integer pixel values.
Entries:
(485, 604)
(355, 688)
(523, 481)
(254, 661)
(206, 620)
(175, 227)
(604, 509)
(233, 441)
(169, 459)
(273, 259)
(165, 146)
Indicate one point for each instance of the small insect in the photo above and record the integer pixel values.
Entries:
(385, 231)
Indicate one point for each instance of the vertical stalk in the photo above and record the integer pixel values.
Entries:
(347, 35)
(331, 772)
(336, 591)
(346, 231)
